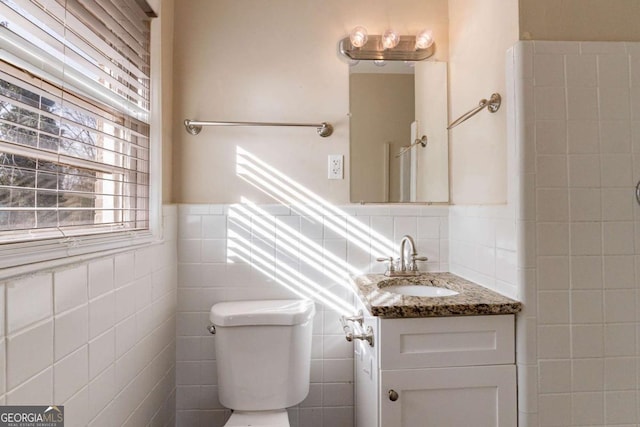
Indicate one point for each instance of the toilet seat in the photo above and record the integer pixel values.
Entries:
(277, 418)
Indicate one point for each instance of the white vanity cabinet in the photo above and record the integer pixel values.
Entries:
(437, 372)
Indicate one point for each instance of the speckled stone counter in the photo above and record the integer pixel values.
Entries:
(472, 299)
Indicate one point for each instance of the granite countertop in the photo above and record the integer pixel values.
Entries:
(472, 299)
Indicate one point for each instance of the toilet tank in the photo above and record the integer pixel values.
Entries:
(263, 352)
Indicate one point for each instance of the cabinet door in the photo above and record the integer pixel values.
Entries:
(479, 396)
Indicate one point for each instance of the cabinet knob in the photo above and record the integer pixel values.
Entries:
(393, 395)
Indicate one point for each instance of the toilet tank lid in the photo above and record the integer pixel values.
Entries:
(264, 312)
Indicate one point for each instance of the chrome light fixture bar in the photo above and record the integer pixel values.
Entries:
(373, 50)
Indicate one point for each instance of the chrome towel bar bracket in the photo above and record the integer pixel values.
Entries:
(493, 105)
(194, 127)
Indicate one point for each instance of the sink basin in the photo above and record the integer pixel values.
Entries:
(419, 291)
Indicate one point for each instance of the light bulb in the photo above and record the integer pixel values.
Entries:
(379, 63)
(390, 39)
(424, 39)
(358, 36)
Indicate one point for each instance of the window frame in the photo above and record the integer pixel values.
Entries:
(17, 258)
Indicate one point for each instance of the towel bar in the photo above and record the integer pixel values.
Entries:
(194, 127)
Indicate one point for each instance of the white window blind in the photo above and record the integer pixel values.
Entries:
(74, 118)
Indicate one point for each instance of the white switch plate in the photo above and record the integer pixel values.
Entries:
(336, 170)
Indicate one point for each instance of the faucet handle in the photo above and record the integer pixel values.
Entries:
(390, 267)
(414, 265)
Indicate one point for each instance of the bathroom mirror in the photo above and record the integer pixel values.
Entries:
(391, 108)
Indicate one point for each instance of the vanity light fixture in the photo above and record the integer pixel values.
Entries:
(390, 46)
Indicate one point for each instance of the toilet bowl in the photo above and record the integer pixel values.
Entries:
(263, 355)
(277, 418)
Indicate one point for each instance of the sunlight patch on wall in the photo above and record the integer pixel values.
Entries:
(281, 252)
(290, 193)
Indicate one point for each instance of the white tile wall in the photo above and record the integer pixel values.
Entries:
(71, 341)
(238, 252)
(483, 246)
(28, 300)
(575, 115)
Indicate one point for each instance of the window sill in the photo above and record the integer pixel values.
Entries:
(18, 259)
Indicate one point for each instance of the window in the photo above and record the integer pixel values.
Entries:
(74, 118)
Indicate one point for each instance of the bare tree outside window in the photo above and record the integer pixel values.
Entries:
(45, 190)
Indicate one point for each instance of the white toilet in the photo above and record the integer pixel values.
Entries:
(263, 354)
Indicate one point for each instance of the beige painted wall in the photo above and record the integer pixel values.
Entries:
(480, 32)
(588, 20)
(275, 60)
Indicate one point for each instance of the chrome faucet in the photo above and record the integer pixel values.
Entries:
(404, 263)
(407, 265)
